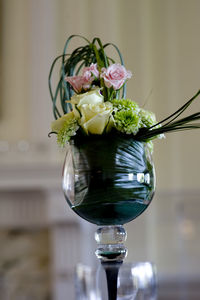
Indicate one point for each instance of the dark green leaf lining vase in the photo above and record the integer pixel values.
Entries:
(108, 180)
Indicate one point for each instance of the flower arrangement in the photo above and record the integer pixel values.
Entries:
(92, 91)
(108, 173)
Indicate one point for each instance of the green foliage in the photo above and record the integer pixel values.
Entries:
(171, 123)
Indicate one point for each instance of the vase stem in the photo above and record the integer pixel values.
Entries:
(110, 240)
(112, 270)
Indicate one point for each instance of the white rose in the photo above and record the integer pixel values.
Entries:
(58, 124)
(95, 117)
(93, 97)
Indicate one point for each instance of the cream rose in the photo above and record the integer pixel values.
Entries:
(95, 117)
(59, 123)
(93, 97)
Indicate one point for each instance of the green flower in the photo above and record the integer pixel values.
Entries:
(148, 118)
(127, 121)
(126, 116)
(65, 127)
(68, 130)
(126, 104)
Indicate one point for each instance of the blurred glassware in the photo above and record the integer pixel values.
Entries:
(144, 273)
(136, 281)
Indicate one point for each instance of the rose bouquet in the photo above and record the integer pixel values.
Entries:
(89, 88)
(108, 175)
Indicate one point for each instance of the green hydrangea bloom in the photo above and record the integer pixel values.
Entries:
(127, 121)
(148, 118)
(68, 130)
(126, 104)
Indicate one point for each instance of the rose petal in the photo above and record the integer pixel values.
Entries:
(58, 124)
(97, 124)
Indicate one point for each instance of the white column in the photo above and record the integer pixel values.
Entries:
(43, 49)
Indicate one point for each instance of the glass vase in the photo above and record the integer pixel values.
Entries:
(109, 181)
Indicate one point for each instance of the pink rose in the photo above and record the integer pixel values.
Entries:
(83, 82)
(91, 70)
(115, 76)
(79, 82)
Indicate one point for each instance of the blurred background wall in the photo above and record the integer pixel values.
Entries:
(160, 43)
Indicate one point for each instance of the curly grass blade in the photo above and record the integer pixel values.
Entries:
(102, 50)
(178, 112)
(122, 63)
(65, 85)
(82, 56)
(56, 112)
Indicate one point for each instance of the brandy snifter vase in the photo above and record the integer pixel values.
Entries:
(109, 181)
